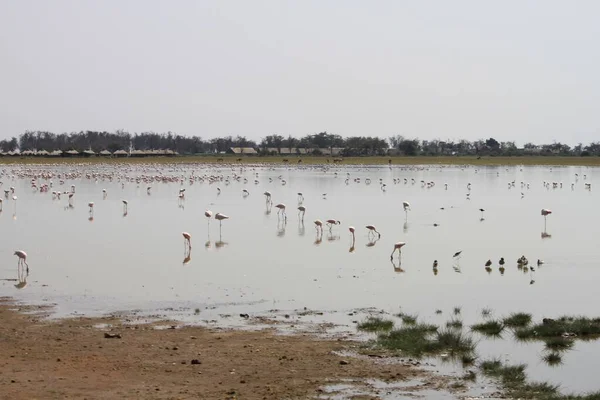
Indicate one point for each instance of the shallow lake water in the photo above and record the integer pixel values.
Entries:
(259, 261)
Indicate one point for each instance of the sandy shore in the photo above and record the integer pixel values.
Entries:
(74, 358)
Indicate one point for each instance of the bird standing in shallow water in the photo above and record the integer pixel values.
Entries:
(301, 212)
(373, 230)
(22, 259)
(398, 246)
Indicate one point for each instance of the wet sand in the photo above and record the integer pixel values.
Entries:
(42, 358)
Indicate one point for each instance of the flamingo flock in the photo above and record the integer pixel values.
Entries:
(43, 181)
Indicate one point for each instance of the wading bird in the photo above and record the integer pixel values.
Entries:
(220, 217)
(545, 213)
(373, 230)
(281, 208)
(398, 246)
(22, 259)
(332, 222)
(187, 240)
(301, 212)
(319, 225)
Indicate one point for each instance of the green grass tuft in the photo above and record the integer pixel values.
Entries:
(468, 359)
(517, 320)
(408, 318)
(558, 344)
(489, 328)
(454, 323)
(413, 340)
(457, 310)
(552, 359)
(486, 312)
(455, 342)
(375, 324)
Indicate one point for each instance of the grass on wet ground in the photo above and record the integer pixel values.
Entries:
(423, 339)
(375, 324)
(582, 327)
(559, 344)
(519, 319)
(454, 323)
(489, 328)
(515, 384)
(408, 319)
(552, 359)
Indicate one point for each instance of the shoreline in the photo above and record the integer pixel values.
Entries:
(228, 160)
(109, 357)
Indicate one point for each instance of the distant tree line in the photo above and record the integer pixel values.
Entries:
(350, 146)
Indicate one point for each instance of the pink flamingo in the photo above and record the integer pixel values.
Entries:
(373, 230)
(398, 246)
(187, 239)
(22, 259)
(545, 213)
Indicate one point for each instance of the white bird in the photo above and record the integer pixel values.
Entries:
(220, 217)
(281, 208)
(22, 259)
(406, 206)
(301, 211)
(187, 239)
(319, 225)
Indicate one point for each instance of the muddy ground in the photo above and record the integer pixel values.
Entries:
(74, 358)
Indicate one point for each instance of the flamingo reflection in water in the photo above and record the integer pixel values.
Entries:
(372, 241)
(397, 267)
(319, 237)
(351, 229)
(187, 243)
(281, 224)
(301, 229)
(331, 237)
(22, 275)
(187, 257)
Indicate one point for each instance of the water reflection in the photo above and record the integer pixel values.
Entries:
(372, 241)
(187, 257)
(397, 266)
(331, 237)
(22, 274)
(405, 227)
(219, 244)
(319, 238)
(301, 229)
(281, 224)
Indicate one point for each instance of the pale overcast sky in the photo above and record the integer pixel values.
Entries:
(514, 70)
